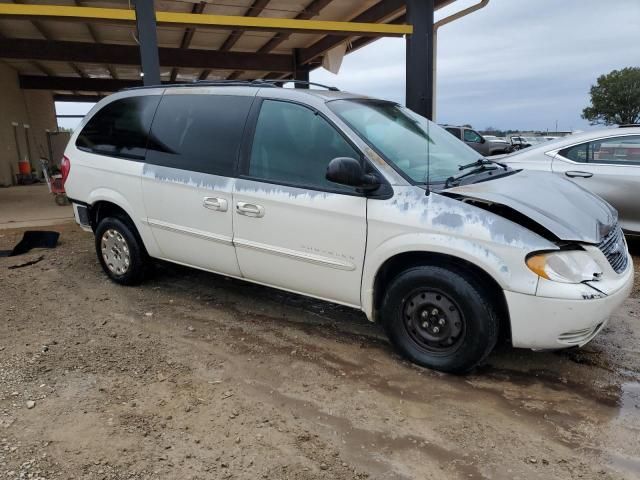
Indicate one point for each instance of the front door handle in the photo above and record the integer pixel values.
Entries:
(214, 203)
(576, 173)
(250, 209)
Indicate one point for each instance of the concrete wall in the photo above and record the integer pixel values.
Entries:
(34, 108)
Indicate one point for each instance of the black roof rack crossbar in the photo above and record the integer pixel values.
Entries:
(235, 83)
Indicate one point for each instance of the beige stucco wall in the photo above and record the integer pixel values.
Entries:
(24, 107)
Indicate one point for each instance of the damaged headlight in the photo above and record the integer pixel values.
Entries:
(570, 266)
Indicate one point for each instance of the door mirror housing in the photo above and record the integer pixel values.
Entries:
(349, 171)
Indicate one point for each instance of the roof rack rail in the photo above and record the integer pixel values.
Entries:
(296, 82)
(204, 83)
(629, 125)
(235, 83)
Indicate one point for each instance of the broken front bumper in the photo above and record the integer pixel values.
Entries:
(540, 322)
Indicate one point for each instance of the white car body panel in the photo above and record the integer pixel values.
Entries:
(198, 229)
(315, 241)
(113, 180)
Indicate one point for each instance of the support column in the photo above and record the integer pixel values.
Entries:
(148, 38)
(420, 57)
(300, 72)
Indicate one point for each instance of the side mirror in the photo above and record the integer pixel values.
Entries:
(349, 171)
(484, 140)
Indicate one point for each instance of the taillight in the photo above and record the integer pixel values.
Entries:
(65, 168)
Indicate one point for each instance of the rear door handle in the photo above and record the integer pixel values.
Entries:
(575, 173)
(214, 203)
(250, 209)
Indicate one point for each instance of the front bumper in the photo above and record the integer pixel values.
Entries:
(539, 322)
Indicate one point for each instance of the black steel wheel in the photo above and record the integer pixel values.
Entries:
(434, 321)
(439, 318)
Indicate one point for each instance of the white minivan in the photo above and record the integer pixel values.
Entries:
(352, 200)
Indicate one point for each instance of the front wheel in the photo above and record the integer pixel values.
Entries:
(120, 251)
(439, 319)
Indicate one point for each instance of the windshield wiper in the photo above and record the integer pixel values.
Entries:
(481, 166)
(481, 163)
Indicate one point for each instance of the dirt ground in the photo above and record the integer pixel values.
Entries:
(195, 376)
(31, 206)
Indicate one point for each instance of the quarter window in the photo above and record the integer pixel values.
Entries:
(200, 133)
(294, 145)
(120, 128)
(616, 150)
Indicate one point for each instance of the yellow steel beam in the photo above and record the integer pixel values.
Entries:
(199, 20)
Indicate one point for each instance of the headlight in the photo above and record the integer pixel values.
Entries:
(571, 266)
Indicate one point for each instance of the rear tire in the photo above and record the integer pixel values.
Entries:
(439, 319)
(120, 250)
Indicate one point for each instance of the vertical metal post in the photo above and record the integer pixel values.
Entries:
(420, 57)
(148, 38)
(26, 139)
(300, 72)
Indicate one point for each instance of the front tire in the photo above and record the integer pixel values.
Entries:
(120, 251)
(439, 319)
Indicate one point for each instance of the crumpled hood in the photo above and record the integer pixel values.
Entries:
(567, 210)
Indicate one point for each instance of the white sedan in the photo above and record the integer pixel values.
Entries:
(605, 161)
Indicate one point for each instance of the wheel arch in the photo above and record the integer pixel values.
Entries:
(105, 208)
(400, 262)
(105, 202)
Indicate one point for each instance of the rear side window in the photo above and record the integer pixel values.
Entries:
(617, 151)
(200, 133)
(121, 128)
(454, 131)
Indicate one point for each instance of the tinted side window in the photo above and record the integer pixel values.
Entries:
(577, 153)
(200, 133)
(121, 128)
(293, 145)
(616, 151)
(454, 131)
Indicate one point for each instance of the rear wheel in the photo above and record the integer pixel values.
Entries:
(439, 319)
(120, 251)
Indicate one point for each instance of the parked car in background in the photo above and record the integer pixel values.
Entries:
(499, 141)
(476, 141)
(352, 200)
(520, 142)
(606, 162)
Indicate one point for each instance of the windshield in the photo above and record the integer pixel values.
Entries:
(405, 139)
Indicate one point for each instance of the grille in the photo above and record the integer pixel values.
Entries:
(614, 248)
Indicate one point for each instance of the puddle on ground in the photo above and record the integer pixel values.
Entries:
(630, 399)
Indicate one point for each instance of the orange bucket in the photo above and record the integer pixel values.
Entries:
(24, 168)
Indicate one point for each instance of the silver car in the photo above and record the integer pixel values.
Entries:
(606, 162)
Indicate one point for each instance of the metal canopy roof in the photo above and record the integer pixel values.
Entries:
(78, 54)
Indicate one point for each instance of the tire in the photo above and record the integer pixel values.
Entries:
(120, 250)
(459, 329)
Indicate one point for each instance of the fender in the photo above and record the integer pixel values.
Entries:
(495, 260)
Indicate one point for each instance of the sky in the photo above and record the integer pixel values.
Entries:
(516, 64)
